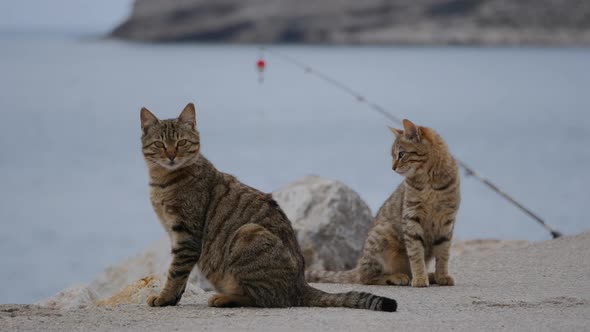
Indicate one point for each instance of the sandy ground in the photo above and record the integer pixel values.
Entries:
(541, 287)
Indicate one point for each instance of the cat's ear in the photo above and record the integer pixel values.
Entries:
(411, 131)
(147, 119)
(188, 115)
(396, 132)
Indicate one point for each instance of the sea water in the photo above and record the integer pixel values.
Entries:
(73, 185)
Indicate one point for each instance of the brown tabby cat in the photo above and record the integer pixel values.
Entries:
(238, 236)
(416, 223)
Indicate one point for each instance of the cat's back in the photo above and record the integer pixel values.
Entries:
(241, 204)
(238, 210)
(391, 210)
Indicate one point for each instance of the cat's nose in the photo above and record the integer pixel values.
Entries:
(170, 156)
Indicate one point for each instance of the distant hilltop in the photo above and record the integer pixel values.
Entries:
(418, 22)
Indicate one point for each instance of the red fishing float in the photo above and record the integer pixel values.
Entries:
(260, 65)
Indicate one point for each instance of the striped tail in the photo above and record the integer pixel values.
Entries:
(335, 277)
(356, 300)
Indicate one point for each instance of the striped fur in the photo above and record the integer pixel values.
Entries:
(239, 237)
(416, 223)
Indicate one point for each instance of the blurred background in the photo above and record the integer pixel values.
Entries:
(504, 82)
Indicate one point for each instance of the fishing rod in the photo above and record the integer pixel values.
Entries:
(469, 171)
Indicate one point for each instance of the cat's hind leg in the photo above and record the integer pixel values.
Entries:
(231, 293)
(396, 279)
(230, 301)
(264, 269)
(396, 266)
(370, 270)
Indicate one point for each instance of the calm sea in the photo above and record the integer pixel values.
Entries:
(73, 186)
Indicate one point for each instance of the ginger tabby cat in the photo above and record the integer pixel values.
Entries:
(416, 223)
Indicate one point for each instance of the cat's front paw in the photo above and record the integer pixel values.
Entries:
(160, 301)
(444, 280)
(420, 281)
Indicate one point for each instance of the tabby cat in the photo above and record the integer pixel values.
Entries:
(416, 222)
(238, 236)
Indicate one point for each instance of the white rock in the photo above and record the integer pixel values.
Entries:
(139, 291)
(154, 260)
(74, 297)
(330, 219)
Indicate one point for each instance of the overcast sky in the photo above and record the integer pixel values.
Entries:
(63, 14)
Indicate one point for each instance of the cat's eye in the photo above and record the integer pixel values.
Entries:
(159, 144)
(400, 155)
(181, 142)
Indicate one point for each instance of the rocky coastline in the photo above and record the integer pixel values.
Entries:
(369, 22)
